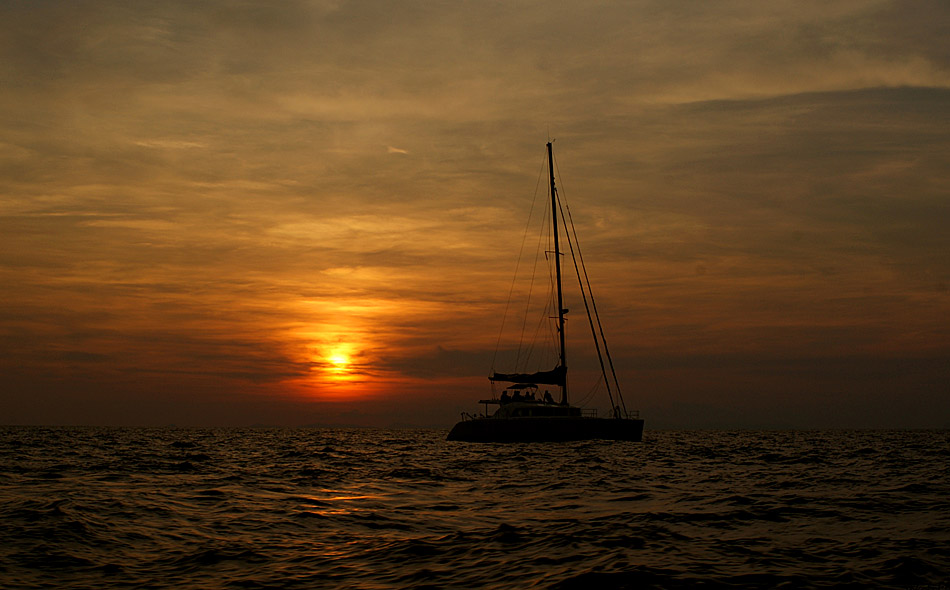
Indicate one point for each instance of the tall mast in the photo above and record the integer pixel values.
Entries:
(557, 267)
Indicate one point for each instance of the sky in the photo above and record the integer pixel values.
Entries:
(309, 212)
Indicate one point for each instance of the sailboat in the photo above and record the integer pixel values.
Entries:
(524, 413)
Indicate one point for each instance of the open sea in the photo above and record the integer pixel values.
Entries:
(354, 508)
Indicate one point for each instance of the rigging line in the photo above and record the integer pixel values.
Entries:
(592, 391)
(545, 311)
(543, 237)
(534, 340)
(590, 319)
(600, 325)
(549, 305)
(590, 291)
(524, 363)
(514, 278)
(524, 322)
(593, 302)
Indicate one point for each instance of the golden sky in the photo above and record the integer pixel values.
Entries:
(241, 213)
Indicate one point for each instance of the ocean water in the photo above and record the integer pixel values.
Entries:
(319, 508)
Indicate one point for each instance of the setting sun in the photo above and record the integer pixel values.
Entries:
(339, 360)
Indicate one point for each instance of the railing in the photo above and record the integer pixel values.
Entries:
(585, 412)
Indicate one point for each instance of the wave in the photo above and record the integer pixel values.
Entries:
(213, 508)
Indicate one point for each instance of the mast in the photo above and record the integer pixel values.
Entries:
(557, 267)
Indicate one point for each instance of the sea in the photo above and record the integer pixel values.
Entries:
(357, 508)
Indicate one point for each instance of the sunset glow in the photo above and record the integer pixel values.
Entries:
(339, 361)
(338, 365)
(310, 212)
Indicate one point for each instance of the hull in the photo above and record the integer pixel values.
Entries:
(546, 429)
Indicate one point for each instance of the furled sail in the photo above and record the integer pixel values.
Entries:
(556, 376)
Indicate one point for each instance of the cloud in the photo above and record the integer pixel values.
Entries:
(200, 191)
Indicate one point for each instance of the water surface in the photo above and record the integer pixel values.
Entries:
(319, 508)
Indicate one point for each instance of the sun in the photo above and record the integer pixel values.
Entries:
(339, 361)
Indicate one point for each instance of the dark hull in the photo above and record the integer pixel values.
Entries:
(546, 429)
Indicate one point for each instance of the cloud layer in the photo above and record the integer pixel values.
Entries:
(202, 205)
